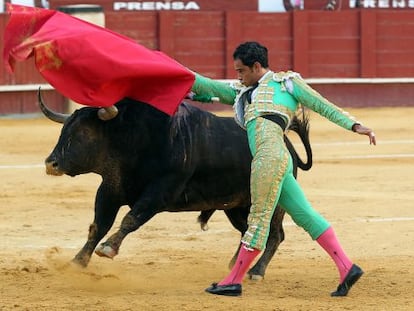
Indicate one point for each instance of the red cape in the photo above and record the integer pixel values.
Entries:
(92, 65)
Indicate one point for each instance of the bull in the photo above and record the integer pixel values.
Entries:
(152, 162)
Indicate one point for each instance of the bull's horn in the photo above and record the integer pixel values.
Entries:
(52, 115)
(107, 113)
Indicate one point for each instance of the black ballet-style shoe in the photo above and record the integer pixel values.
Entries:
(225, 290)
(351, 278)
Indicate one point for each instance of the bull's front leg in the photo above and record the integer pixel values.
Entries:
(168, 189)
(106, 209)
(83, 257)
(130, 223)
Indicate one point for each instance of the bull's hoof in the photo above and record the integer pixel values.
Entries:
(77, 264)
(80, 262)
(204, 226)
(256, 277)
(105, 251)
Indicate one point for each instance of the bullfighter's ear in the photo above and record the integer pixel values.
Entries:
(107, 113)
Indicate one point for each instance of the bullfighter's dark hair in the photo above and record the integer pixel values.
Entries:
(251, 52)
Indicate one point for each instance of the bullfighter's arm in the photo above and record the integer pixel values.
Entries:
(315, 101)
(206, 90)
(312, 99)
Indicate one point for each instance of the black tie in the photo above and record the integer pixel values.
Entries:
(248, 95)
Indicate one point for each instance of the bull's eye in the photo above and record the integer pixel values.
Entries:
(86, 133)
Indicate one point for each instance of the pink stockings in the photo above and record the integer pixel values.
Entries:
(330, 244)
(327, 240)
(243, 262)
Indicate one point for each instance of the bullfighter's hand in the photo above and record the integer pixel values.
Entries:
(360, 129)
(202, 98)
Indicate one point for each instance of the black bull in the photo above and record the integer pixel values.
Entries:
(193, 161)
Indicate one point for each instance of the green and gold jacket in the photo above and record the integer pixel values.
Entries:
(276, 93)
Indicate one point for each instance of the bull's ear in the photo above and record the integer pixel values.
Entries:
(50, 114)
(107, 113)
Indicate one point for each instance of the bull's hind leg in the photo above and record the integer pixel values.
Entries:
(276, 236)
(204, 217)
(238, 218)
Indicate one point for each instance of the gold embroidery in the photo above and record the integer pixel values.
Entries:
(269, 166)
(263, 108)
(263, 103)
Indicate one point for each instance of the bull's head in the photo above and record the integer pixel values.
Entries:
(81, 142)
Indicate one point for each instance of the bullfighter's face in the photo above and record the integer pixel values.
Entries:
(248, 76)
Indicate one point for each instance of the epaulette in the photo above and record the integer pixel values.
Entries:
(285, 75)
(237, 85)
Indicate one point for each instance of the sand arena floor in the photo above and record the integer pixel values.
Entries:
(366, 192)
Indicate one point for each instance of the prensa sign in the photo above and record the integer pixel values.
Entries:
(155, 5)
(166, 5)
(227, 5)
(382, 4)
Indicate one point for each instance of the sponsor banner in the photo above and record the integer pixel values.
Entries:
(382, 4)
(222, 5)
(226, 5)
(197, 5)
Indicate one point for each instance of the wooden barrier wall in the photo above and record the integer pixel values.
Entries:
(350, 43)
(318, 44)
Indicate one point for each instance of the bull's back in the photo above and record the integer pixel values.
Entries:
(221, 159)
(217, 141)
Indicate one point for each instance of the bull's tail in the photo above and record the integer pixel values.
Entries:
(301, 127)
